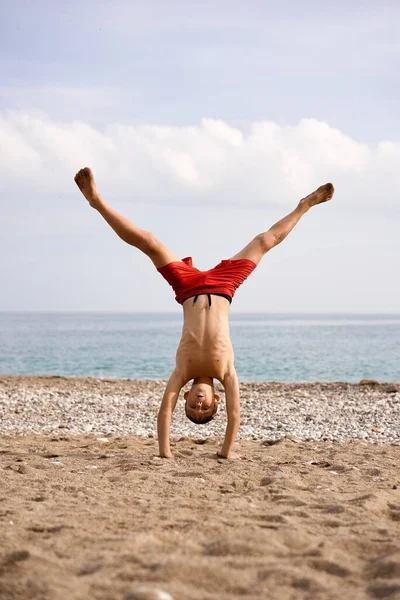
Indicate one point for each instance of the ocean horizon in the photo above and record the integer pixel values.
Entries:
(283, 347)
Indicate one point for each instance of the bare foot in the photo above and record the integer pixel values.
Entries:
(85, 181)
(322, 194)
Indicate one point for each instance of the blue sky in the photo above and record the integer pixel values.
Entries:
(204, 122)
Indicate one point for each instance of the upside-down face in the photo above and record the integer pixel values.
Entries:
(201, 402)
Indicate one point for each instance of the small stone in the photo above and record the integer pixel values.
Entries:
(17, 468)
(146, 592)
(369, 382)
(392, 388)
(271, 442)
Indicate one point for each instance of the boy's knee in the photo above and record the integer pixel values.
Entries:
(266, 241)
(151, 245)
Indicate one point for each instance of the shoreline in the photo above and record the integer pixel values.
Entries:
(370, 382)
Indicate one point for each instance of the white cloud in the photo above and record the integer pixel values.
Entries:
(212, 162)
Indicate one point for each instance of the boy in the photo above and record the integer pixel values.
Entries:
(205, 351)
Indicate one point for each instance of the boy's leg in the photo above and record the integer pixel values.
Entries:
(263, 242)
(125, 229)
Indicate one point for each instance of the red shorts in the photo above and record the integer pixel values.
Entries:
(187, 281)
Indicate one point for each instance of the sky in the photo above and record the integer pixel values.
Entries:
(205, 123)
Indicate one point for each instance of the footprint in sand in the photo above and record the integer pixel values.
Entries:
(394, 515)
(384, 590)
(384, 567)
(330, 567)
(89, 569)
(266, 481)
(332, 523)
(273, 518)
(296, 513)
(394, 511)
(15, 556)
(306, 584)
(332, 509)
(360, 500)
(281, 499)
(231, 547)
(183, 453)
(271, 521)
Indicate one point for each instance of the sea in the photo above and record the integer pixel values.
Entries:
(268, 347)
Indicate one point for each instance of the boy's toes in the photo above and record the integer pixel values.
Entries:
(87, 172)
(83, 176)
(79, 178)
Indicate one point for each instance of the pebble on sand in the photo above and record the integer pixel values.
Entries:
(146, 592)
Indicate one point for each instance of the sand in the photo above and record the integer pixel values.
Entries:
(92, 516)
(85, 518)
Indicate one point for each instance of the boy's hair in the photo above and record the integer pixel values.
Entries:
(202, 421)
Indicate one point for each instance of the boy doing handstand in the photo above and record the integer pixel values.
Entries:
(205, 351)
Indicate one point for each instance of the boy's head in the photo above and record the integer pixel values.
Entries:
(201, 404)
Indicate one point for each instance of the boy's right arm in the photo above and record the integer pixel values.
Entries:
(174, 386)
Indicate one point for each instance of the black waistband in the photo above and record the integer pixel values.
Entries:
(209, 298)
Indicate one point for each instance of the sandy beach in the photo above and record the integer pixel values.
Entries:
(96, 514)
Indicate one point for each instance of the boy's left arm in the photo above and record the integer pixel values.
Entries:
(232, 399)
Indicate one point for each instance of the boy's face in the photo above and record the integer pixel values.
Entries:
(201, 401)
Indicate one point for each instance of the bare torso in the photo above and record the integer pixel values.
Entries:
(205, 347)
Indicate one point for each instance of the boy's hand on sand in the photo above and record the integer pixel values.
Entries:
(166, 455)
(229, 456)
(85, 181)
